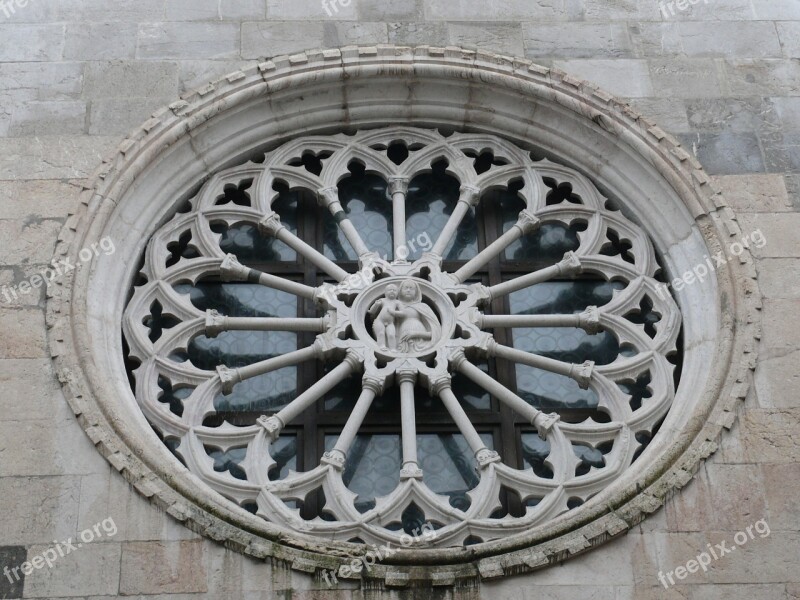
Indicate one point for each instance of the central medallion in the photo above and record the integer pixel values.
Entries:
(403, 316)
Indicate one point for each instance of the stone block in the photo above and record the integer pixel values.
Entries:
(263, 40)
(784, 509)
(53, 516)
(100, 41)
(781, 151)
(684, 78)
(624, 77)
(393, 10)
(787, 110)
(163, 568)
(31, 391)
(720, 497)
(755, 193)
(670, 115)
(733, 114)
(782, 232)
(768, 77)
(101, 11)
(346, 33)
(131, 79)
(188, 40)
(212, 10)
(120, 116)
(30, 241)
(502, 10)
(779, 277)
(770, 435)
(620, 10)
(48, 118)
(656, 40)
(776, 10)
(501, 38)
(781, 325)
(38, 43)
(23, 337)
(706, 10)
(576, 40)
(42, 81)
(715, 592)
(42, 199)
(725, 153)
(415, 34)
(89, 570)
(756, 39)
(310, 10)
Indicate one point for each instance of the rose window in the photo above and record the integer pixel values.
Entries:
(357, 335)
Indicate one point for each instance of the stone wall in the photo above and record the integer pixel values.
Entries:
(76, 75)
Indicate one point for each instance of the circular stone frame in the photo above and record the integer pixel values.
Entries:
(164, 161)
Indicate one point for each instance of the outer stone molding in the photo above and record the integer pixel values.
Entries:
(662, 186)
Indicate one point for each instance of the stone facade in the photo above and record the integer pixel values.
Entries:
(75, 76)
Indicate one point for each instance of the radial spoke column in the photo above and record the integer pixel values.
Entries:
(542, 421)
(230, 377)
(569, 265)
(469, 196)
(398, 187)
(443, 389)
(526, 223)
(372, 386)
(329, 197)
(581, 373)
(408, 418)
(232, 270)
(277, 422)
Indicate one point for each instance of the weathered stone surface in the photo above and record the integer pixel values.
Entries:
(100, 41)
(262, 40)
(778, 10)
(770, 435)
(576, 40)
(782, 233)
(721, 497)
(30, 242)
(767, 77)
(126, 79)
(670, 115)
(503, 10)
(309, 10)
(414, 34)
(623, 77)
(88, 570)
(31, 42)
(120, 116)
(23, 335)
(655, 40)
(48, 118)
(495, 37)
(733, 114)
(163, 567)
(38, 198)
(729, 39)
(41, 81)
(684, 78)
(188, 40)
(726, 153)
(397, 10)
(784, 510)
(755, 193)
(210, 10)
(11, 586)
(604, 10)
(779, 278)
(54, 514)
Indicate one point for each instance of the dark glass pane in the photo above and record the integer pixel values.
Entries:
(373, 466)
(429, 204)
(345, 394)
(233, 349)
(365, 199)
(284, 453)
(250, 245)
(535, 451)
(448, 465)
(547, 244)
(228, 461)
